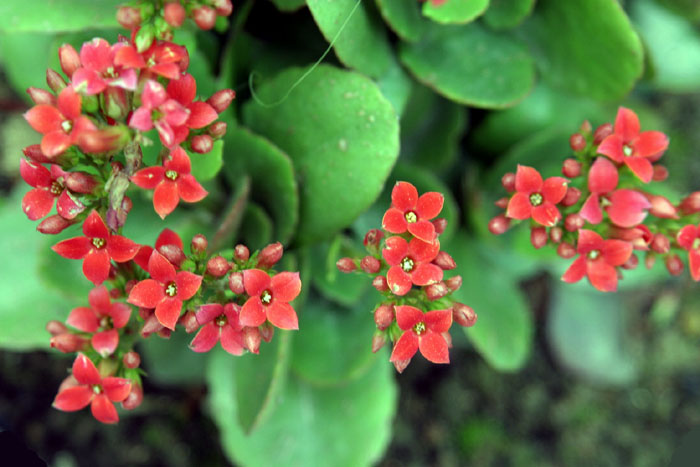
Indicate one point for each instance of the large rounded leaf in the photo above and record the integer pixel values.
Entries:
(504, 14)
(342, 288)
(471, 65)
(455, 11)
(403, 17)
(66, 15)
(342, 136)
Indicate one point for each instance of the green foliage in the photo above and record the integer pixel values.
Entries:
(403, 17)
(342, 288)
(288, 5)
(207, 166)
(57, 16)
(506, 14)
(455, 11)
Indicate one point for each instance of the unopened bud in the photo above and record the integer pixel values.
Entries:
(68, 343)
(566, 250)
(571, 168)
(436, 291)
(112, 138)
(173, 253)
(660, 243)
(217, 266)
(508, 182)
(674, 264)
(150, 325)
(129, 17)
(41, 96)
(55, 81)
(267, 331)
(440, 225)
(252, 339)
(384, 316)
(454, 283)
(401, 365)
(241, 252)
(538, 237)
(131, 360)
(373, 238)
(223, 7)
(690, 204)
(34, 153)
(220, 100)
(571, 197)
(463, 315)
(56, 327)
(661, 207)
(189, 321)
(499, 224)
(555, 234)
(80, 182)
(660, 173)
(445, 261)
(174, 14)
(270, 255)
(235, 283)
(378, 341)
(69, 59)
(649, 259)
(204, 17)
(164, 333)
(586, 127)
(602, 132)
(115, 102)
(502, 203)
(202, 144)
(217, 129)
(370, 265)
(53, 225)
(631, 263)
(346, 265)
(199, 244)
(574, 222)
(380, 284)
(144, 37)
(134, 398)
(577, 143)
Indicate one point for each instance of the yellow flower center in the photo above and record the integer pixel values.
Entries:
(419, 328)
(266, 297)
(411, 217)
(536, 199)
(171, 174)
(171, 289)
(98, 242)
(407, 264)
(593, 254)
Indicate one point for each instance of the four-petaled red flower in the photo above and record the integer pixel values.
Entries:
(412, 213)
(636, 150)
(162, 58)
(536, 198)
(103, 318)
(219, 323)
(97, 248)
(422, 331)
(48, 186)
(165, 291)
(172, 182)
(689, 239)
(598, 259)
(269, 299)
(410, 263)
(61, 125)
(99, 392)
(98, 69)
(165, 113)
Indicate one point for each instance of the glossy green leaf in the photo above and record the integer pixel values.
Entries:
(471, 65)
(348, 425)
(57, 16)
(170, 361)
(343, 288)
(403, 17)
(63, 276)
(455, 11)
(503, 332)
(362, 44)
(288, 5)
(396, 86)
(342, 137)
(585, 46)
(207, 166)
(271, 174)
(505, 14)
(256, 227)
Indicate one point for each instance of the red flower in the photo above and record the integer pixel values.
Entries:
(97, 248)
(162, 58)
(636, 150)
(689, 239)
(98, 69)
(184, 90)
(103, 318)
(409, 212)
(166, 239)
(535, 198)
(165, 291)
(598, 260)
(166, 114)
(48, 186)
(422, 331)
(92, 389)
(410, 263)
(220, 323)
(269, 299)
(61, 125)
(172, 182)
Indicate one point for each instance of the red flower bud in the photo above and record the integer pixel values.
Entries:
(508, 182)
(199, 244)
(41, 96)
(150, 325)
(129, 17)
(127, 204)
(69, 59)
(346, 265)
(267, 331)
(56, 327)
(555, 234)
(401, 365)
(571, 197)
(571, 168)
(189, 321)
(440, 225)
(109, 139)
(378, 341)
(689, 205)
(220, 100)
(502, 203)
(134, 398)
(251, 339)
(217, 129)
(164, 333)
(223, 7)
(202, 144)
(55, 81)
(577, 143)
(116, 103)
(241, 252)
(454, 283)
(80, 182)
(602, 132)
(538, 237)
(660, 173)
(131, 360)
(661, 207)
(631, 263)
(499, 224)
(463, 315)
(380, 284)
(573, 222)
(586, 127)
(660, 243)
(649, 260)
(436, 291)
(34, 153)
(172, 253)
(373, 238)
(217, 266)
(445, 261)
(270, 255)
(384, 316)
(370, 265)
(204, 17)
(674, 265)
(68, 343)
(566, 250)
(130, 285)
(235, 283)
(53, 225)
(174, 14)
(640, 236)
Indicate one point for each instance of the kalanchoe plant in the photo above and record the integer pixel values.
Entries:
(605, 210)
(407, 267)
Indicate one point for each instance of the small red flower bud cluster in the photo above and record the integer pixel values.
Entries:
(604, 210)
(407, 266)
(161, 22)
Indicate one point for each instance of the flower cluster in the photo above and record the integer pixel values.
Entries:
(93, 124)
(605, 212)
(142, 14)
(407, 266)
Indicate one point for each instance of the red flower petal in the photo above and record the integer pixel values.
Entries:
(641, 167)
(127, 56)
(105, 342)
(686, 236)
(207, 313)
(120, 314)
(141, 119)
(519, 206)
(96, 54)
(612, 147)
(148, 178)
(433, 347)
(576, 271)
(166, 133)
(142, 257)
(74, 398)
(168, 237)
(187, 284)
(179, 161)
(73, 248)
(399, 282)
(650, 144)
(69, 103)
(83, 319)
(404, 196)
(168, 312)
(147, 294)
(626, 124)
(95, 227)
(588, 241)
(423, 252)
(627, 207)
(405, 347)
(396, 250)
(429, 205)
(694, 263)
(423, 230)
(603, 176)
(103, 410)
(160, 268)
(167, 70)
(153, 94)
(602, 275)
(554, 189)
(37, 203)
(527, 180)
(85, 371)
(206, 338)
(201, 115)
(116, 389)
(189, 189)
(591, 211)
(88, 81)
(255, 281)
(67, 206)
(231, 340)
(183, 90)
(44, 118)
(546, 214)
(394, 221)
(35, 175)
(121, 249)
(54, 143)
(165, 198)
(408, 316)
(96, 266)
(252, 313)
(438, 321)
(232, 311)
(426, 274)
(616, 252)
(282, 315)
(285, 286)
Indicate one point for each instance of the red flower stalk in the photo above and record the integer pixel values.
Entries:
(172, 182)
(422, 331)
(689, 239)
(598, 260)
(98, 70)
(219, 324)
(166, 114)
(49, 185)
(91, 388)
(102, 318)
(269, 299)
(409, 212)
(97, 248)
(636, 150)
(536, 198)
(61, 125)
(410, 263)
(165, 291)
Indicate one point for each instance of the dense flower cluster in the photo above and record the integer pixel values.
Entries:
(407, 267)
(604, 211)
(93, 127)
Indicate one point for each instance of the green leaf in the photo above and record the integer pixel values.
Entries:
(58, 16)
(471, 65)
(256, 227)
(396, 85)
(309, 423)
(506, 14)
(207, 166)
(585, 46)
(503, 332)
(64, 276)
(272, 176)
(455, 11)
(342, 137)
(170, 361)
(362, 44)
(403, 17)
(343, 288)
(288, 5)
